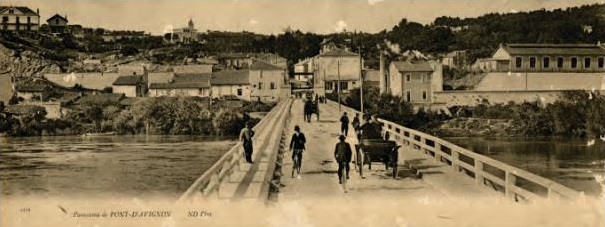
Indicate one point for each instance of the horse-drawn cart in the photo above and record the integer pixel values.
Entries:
(377, 150)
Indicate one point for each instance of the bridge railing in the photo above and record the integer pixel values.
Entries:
(515, 183)
(210, 181)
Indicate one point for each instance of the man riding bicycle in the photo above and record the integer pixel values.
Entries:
(297, 146)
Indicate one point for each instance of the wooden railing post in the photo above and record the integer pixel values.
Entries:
(437, 151)
(455, 160)
(479, 172)
(423, 143)
(509, 185)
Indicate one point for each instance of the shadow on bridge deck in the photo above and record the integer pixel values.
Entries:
(319, 178)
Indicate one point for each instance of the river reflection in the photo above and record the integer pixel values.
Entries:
(571, 162)
(106, 165)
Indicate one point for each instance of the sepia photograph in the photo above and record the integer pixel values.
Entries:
(302, 113)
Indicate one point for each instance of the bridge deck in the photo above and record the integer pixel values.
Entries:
(319, 178)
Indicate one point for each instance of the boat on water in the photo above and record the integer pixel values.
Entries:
(90, 134)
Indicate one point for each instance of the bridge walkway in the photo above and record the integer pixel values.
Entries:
(319, 178)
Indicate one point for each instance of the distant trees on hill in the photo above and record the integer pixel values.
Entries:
(480, 35)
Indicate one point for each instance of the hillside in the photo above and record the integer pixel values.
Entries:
(479, 36)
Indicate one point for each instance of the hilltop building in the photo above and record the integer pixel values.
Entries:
(19, 18)
(58, 24)
(185, 34)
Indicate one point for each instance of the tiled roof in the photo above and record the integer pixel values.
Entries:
(160, 77)
(57, 16)
(23, 9)
(304, 62)
(455, 53)
(128, 80)
(101, 99)
(553, 49)
(404, 66)
(23, 109)
(69, 97)
(184, 69)
(263, 65)
(96, 81)
(233, 55)
(31, 88)
(230, 77)
(339, 53)
(185, 81)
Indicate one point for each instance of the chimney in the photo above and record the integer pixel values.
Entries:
(38, 11)
(383, 82)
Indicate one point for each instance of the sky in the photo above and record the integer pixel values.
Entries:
(272, 17)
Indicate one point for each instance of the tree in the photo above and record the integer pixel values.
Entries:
(129, 51)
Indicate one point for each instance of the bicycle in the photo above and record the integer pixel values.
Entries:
(297, 163)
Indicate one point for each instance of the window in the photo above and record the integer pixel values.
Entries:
(532, 62)
(239, 92)
(11, 11)
(4, 19)
(423, 78)
(260, 85)
(57, 21)
(29, 20)
(17, 19)
(546, 62)
(424, 95)
(518, 62)
(329, 86)
(273, 86)
(344, 85)
(574, 62)
(559, 62)
(408, 96)
(587, 63)
(601, 63)
(408, 78)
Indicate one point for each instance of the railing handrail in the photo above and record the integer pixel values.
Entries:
(233, 156)
(510, 172)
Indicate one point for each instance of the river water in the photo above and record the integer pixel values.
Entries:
(162, 166)
(575, 163)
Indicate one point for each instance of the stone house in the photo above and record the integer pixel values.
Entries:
(130, 86)
(57, 24)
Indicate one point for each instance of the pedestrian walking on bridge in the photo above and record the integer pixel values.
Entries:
(344, 124)
(246, 137)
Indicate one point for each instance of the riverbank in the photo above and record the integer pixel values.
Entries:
(574, 114)
(155, 116)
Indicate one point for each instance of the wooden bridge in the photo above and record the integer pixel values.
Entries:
(447, 169)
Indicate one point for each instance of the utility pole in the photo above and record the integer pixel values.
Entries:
(338, 85)
(361, 78)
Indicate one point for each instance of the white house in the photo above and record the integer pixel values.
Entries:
(19, 18)
(231, 83)
(182, 85)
